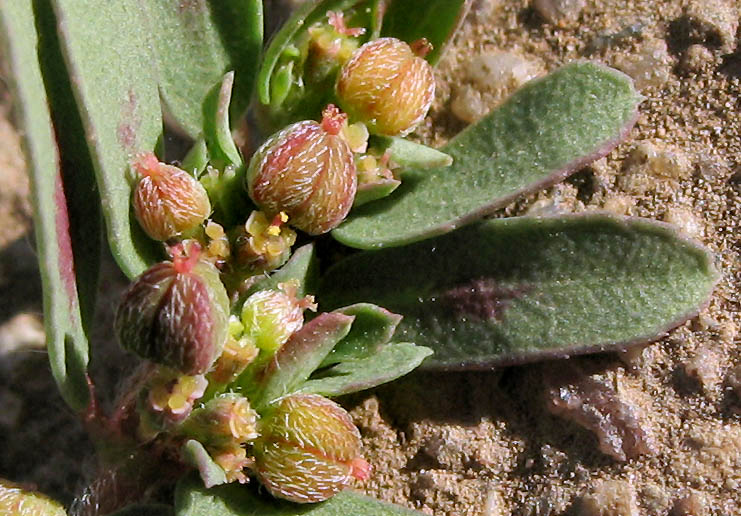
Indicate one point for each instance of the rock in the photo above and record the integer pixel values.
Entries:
(650, 67)
(594, 404)
(610, 498)
(651, 160)
(494, 504)
(468, 105)
(713, 23)
(654, 499)
(705, 367)
(490, 78)
(691, 504)
(619, 204)
(686, 220)
(559, 12)
(696, 59)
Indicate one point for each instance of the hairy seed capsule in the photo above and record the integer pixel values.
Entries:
(16, 501)
(270, 317)
(167, 200)
(307, 171)
(308, 449)
(175, 314)
(386, 86)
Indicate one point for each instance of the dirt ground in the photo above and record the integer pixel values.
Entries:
(485, 443)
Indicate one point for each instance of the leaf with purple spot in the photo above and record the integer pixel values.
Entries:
(521, 289)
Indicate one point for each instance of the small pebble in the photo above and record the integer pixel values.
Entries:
(691, 504)
(494, 503)
(650, 67)
(559, 12)
(713, 22)
(651, 160)
(468, 105)
(686, 220)
(619, 204)
(654, 499)
(22, 331)
(696, 59)
(492, 77)
(610, 498)
(705, 367)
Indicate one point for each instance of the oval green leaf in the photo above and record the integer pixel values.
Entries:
(193, 44)
(544, 132)
(517, 290)
(192, 499)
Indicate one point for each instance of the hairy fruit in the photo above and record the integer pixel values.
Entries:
(175, 314)
(308, 450)
(306, 170)
(386, 86)
(167, 200)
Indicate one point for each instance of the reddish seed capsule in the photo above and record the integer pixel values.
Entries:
(167, 200)
(309, 449)
(175, 314)
(387, 86)
(306, 170)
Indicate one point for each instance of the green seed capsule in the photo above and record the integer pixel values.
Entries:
(308, 449)
(270, 317)
(386, 86)
(167, 200)
(175, 314)
(306, 170)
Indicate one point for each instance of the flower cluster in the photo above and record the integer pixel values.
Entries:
(215, 341)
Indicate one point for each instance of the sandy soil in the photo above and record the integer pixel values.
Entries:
(485, 443)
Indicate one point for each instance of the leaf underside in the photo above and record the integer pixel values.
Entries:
(63, 316)
(516, 290)
(192, 499)
(545, 131)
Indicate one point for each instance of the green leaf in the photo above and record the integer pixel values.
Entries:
(372, 328)
(222, 149)
(289, 89)
(517, 290)
(301, 267)
(196, 160)
(368, 192)
(121, 56)
(194, 44)
(66, 337)
(113, 79)
(196, 455)
(410, 154)
(296, 359)
(544, 132)
(192, 499)
(146, 510)
(389, 363)
(292, 30)
(436, 20)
